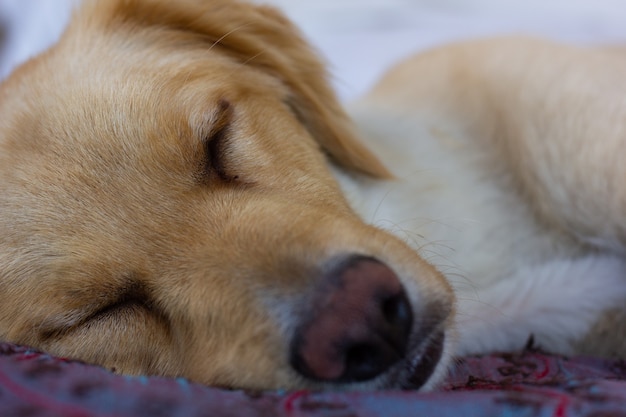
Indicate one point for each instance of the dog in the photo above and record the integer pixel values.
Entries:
(183, 195)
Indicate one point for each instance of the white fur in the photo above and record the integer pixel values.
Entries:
(555, 302)
(513, 278)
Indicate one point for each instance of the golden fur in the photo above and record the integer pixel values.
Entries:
(166, 196)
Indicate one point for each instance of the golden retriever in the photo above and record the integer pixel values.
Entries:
(181, 194)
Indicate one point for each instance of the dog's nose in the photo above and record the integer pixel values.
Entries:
(359, 326)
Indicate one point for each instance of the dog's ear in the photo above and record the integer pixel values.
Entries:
(313, 101)
(261, 37)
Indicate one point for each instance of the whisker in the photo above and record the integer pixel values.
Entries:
(253, 57)
(380, 203)
(230, 32)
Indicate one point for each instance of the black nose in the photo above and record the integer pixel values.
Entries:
(358, 326)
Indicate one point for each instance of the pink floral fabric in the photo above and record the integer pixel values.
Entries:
(515, 385)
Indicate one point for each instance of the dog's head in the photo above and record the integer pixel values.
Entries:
(167, 208)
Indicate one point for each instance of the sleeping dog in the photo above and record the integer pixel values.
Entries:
(181, 194)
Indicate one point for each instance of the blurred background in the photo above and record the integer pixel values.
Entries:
(360, 38)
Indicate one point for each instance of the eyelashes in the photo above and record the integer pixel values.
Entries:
(215, 145)
(127, 302)
(101, 305)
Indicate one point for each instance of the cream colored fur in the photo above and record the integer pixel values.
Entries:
(509, 159)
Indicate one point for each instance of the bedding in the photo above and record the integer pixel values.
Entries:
(529, 383)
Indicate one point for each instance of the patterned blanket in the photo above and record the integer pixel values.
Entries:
(514, 385)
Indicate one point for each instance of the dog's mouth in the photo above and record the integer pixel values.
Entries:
(422, 365)
(413, 372)
(417, 369)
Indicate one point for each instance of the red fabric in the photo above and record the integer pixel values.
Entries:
(515, 385)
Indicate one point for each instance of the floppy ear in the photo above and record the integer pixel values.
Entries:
(327, 122)
(313, 101)
(261, 37)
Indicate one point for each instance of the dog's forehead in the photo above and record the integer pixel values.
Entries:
(121, 109)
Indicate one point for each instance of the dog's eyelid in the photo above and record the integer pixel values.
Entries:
(214, 141)
(109, 302)
(220, 118)
(134, 295)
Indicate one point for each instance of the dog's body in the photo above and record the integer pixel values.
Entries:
(511, 148)
(169, 205)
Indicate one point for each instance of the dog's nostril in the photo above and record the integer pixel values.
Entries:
(359, 325)
(363, 361)
(397, 314)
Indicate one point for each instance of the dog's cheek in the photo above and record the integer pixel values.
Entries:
(241, 349)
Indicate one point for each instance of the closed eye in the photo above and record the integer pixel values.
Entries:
(215, 144)
(107, 303)
(131, 298)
